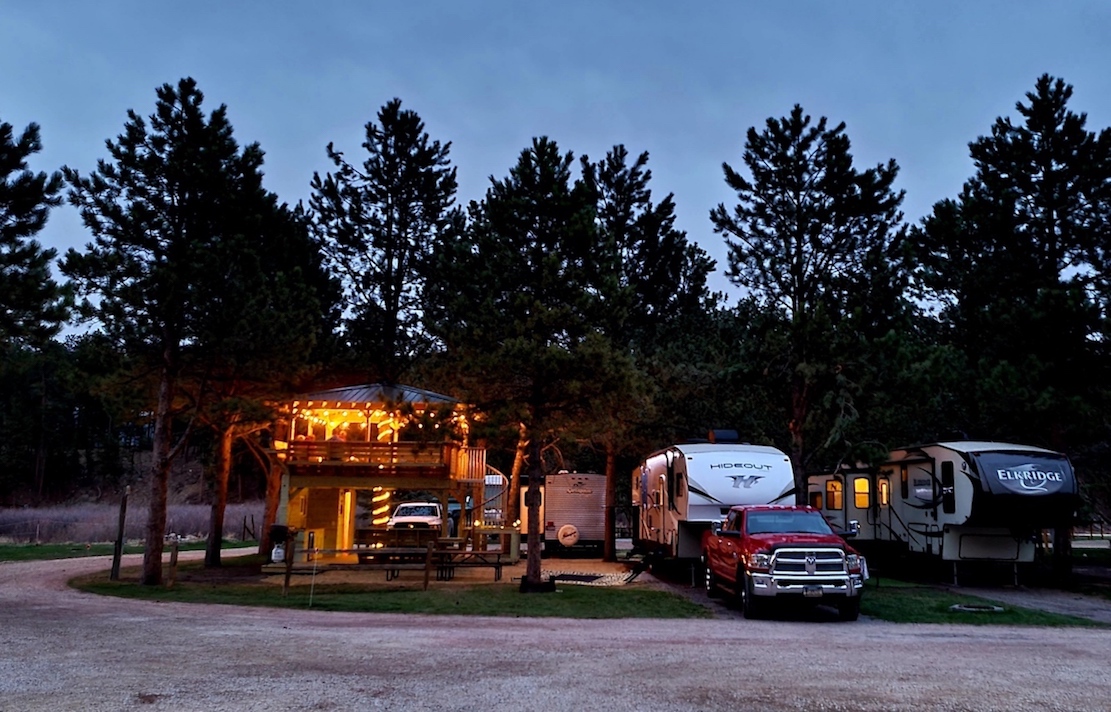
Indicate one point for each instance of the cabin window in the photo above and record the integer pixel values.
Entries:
(834, 495)
(948, 495)
(884, 492)
(862, 498)
(816, 500)
(904, 485)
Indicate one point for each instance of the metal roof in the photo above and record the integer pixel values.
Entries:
(379, 394)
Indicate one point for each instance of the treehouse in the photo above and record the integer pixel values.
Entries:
(349, 455)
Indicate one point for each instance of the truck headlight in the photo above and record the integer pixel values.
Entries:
(760, 561)
(852, 562)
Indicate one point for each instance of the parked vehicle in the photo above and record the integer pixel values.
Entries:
(572, 512)
(680, 491)
(765, 553)
(957, 501)
(416, 515)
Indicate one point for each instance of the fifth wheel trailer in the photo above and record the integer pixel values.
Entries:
(572, 512)
(957, 501)
(680, 491)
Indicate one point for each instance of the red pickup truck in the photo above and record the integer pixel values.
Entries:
(768, 552)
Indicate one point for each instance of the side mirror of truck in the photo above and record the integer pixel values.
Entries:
(853, 530)
(715, 527)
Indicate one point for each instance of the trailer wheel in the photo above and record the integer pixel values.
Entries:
(750, 608)
(849, 609)
(711, 581)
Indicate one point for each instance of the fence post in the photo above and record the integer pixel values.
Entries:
(290, 542)
(173, 562)
(117, 551)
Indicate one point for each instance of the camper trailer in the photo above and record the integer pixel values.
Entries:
(678, 492)
(572, 512)
(958, 501)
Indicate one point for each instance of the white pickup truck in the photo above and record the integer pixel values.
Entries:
(416, 515)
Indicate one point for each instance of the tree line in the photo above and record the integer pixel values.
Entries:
(564, 305)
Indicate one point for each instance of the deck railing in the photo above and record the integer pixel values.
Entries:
(461, 463)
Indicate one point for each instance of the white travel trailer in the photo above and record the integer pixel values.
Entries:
(960, 501)
(678, 492)
(572, 512)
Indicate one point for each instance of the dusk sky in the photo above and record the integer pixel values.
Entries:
(915, 82)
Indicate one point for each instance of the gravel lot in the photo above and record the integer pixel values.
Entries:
(65, 650)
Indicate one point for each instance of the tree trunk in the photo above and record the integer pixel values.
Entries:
(513, 488)
(159, 481)
(799, 408)
(221, 474)
(609, 546)
(513, 496)
(532, 500)
(270, 510)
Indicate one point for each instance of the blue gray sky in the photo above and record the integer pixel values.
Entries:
(913, 81)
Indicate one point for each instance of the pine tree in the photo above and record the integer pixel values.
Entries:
(818, 242)
(378, 222)
(646, 275)
(1012, 260)
(32, 305)
(170, 212)
(511, 300)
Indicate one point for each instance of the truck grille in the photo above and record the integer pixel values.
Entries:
(808, 562)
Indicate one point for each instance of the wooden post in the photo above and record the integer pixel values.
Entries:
(117, 551)
(428, 563)
(173, 563)
(290, 541)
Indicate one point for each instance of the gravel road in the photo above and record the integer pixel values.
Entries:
(65, 650)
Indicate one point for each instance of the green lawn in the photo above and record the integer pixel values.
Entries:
(902, 602)
(41, 552)
(242, 585)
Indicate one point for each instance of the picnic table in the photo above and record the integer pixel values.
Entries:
(443, 556)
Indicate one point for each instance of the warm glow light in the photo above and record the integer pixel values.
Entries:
(382, 497)
(380, 510)
(381, 520)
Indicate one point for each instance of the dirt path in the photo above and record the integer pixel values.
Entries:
(65, 650)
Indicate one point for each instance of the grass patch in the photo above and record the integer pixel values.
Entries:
(44, 552)
(900, 602)
(240, 582)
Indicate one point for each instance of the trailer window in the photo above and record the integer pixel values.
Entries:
(861, 493)
(904, 485)
(884, 492)
(816, 500)
(834, 495)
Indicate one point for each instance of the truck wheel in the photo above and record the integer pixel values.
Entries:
(711, 581)
(849, 609)
(750, 608)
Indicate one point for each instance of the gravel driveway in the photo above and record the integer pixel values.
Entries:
(65, 650)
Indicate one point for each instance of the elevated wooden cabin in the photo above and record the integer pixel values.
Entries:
(347, 453)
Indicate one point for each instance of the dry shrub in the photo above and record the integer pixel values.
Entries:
(91, 523)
